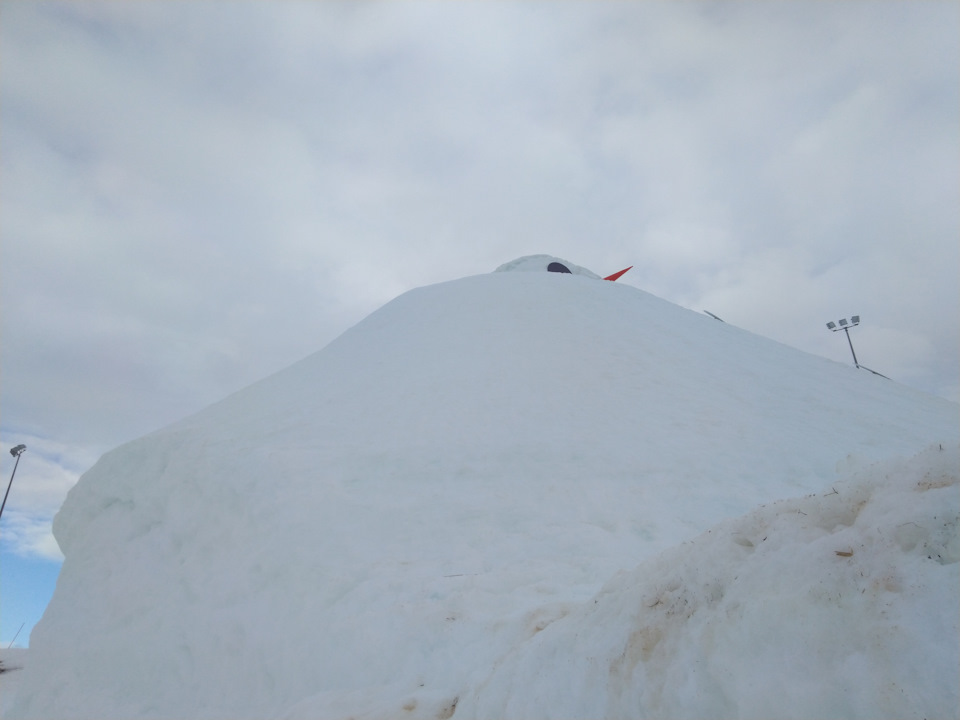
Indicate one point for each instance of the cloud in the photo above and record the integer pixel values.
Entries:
(196, 195)
(45, 473)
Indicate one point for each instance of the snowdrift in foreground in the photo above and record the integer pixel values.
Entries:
(840, 604)
(384, 526)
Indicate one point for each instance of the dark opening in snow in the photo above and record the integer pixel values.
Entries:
(558, 267)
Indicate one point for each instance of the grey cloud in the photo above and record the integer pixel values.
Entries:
(197, 194)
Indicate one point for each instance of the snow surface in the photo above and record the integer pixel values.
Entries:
(839, 604)
(11, 662)
(514, 495)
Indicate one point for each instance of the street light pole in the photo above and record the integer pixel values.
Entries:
(16, 452)
(845, 326)
(850, 342)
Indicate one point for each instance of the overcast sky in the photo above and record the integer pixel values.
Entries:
(195, 195)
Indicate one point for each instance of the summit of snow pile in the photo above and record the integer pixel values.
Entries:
(543, 263)
(476, 478)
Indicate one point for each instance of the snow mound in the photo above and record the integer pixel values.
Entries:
(387, 522)
(540, 263)
(840, 604)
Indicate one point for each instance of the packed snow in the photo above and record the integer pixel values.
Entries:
(11, 662)
(839, 604)
(520, 494)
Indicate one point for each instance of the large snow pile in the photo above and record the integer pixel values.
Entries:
(417, 520)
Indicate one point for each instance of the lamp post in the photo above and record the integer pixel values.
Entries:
(842, 324)
(16, 452)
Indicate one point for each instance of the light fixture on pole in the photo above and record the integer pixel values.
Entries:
(16, 452)
(845, 326)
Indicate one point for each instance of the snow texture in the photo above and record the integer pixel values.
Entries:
(519, 495)
(11, 663)
(840, 604)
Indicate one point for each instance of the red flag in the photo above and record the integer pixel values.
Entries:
(613, 277)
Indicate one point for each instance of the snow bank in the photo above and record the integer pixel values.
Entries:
(840, 604)
(12, 661)
(381, 524)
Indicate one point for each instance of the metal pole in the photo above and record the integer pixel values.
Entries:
(16, 452)
(847, 331)
(15, 636)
